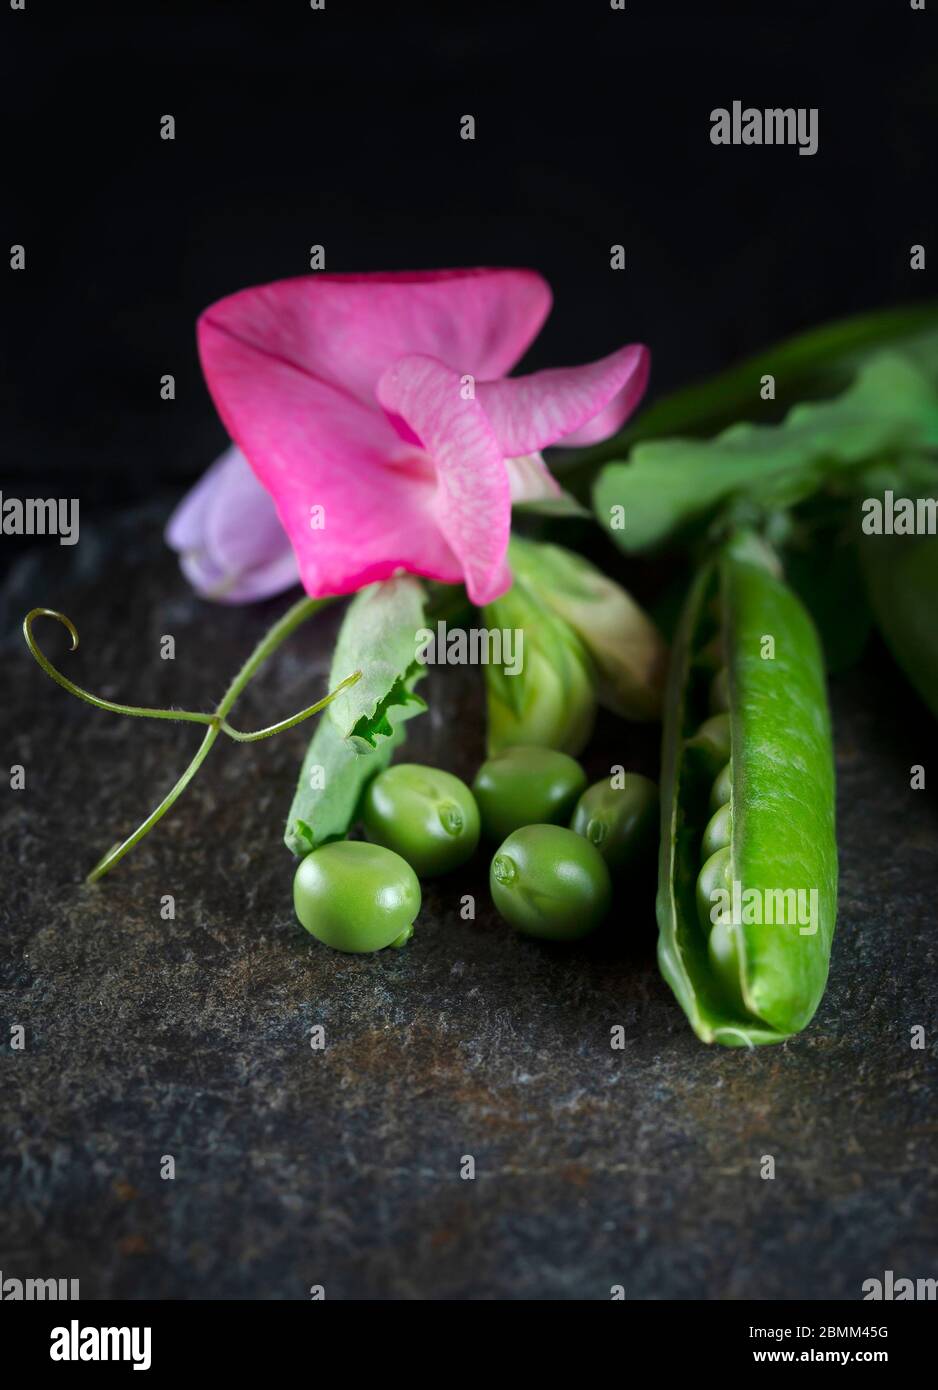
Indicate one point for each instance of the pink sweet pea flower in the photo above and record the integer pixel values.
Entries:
(376, 411)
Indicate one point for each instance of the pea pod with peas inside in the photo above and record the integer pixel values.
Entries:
(747, 891)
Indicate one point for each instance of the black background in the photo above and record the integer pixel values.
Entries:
(341, 127)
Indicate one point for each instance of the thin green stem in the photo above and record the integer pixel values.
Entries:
(301, 610)
(116, 854)
(280, 631)
(138, 711)
(294, 718)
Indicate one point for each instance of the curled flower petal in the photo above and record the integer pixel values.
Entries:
(569, 405)
(473, 499)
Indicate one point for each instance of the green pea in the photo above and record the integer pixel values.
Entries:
(356, 897)
(722, 789)
(621, 821)
(723, 953)
(713, 737)
(713, 877)
(719, 832)
(549, 882)
(526, 786)
(427, 816)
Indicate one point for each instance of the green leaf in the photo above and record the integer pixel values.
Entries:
(379, 637)
(669, 484)
(811, 365)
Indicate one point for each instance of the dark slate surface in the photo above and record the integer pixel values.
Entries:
(191, 1037)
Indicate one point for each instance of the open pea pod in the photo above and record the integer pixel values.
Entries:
(747, 894)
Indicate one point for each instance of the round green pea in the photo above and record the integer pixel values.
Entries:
(713, 879)
(713, 740)
(622, 822)
(719, 831)
(714, 737)
(722, 789)
(427, 816)
(549, 882)
(526, 786)
(356, 897)
(723, 948)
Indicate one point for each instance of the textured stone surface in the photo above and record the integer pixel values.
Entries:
(191, 1037)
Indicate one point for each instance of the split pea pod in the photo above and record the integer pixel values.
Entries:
(747, 894)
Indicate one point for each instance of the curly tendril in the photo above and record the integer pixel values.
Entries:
(217, 722)
(139, 711)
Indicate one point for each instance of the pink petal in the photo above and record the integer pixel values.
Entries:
(293, 368)
(346, 329)
(569, 405)
(530, 480)
(473, 500)
(324, 456)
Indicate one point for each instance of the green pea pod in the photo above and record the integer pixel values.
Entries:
(748, 876)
